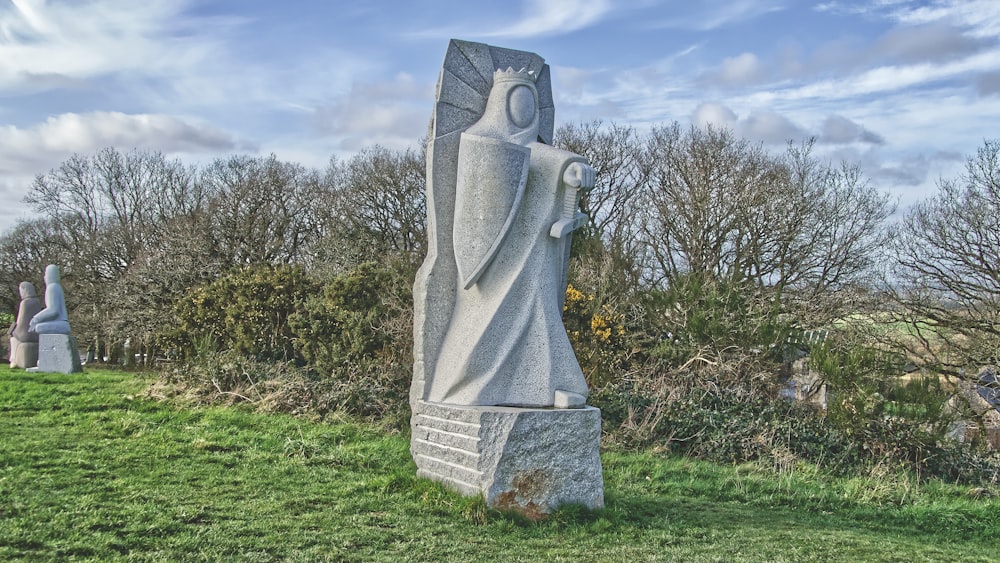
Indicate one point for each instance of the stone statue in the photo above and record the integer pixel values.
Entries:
(57, 351)
(23, 343)
(53, 318)
(491, 354)
(515, 208)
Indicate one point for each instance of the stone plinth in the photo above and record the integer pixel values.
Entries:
(520, 459)
(58, 353)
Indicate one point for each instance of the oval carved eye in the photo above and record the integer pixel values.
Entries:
(521, 106)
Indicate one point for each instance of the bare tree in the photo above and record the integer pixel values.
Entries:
(25, 250)
(374, 204)
(947, 268)
(833, 225)
(107, 214)
(724, 210)
(111, 205)
(261, 210)
(705, 212)
(385, 197)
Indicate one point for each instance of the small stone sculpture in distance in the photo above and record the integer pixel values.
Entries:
(23, 343)
(53, 318)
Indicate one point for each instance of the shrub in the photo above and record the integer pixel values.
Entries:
(598, 335)
(358, 333)
(361, 316)
(729, 425)
(246, 311)
(696, 314)
(227, 377)
(685, 411)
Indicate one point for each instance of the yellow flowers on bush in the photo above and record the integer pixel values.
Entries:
(598, 335)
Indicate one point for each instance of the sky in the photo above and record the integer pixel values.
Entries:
(906, 89)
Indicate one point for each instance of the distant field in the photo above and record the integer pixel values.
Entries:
(91, 469)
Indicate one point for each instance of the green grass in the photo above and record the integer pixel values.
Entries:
(91, 469)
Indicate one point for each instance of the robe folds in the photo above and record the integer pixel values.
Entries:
(506, 343)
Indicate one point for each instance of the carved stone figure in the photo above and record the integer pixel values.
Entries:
(491, 354)
(57, 351)
(53, 318)
(23, 343)
(515, 207)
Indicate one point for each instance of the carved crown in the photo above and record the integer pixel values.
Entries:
(511, 75)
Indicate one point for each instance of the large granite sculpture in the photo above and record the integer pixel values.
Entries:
(498, 397)
(24, 343)
(57, 351)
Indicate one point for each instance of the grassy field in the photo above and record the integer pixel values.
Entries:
(91, 469)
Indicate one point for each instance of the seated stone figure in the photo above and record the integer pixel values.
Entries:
(23, 343)
(52, 319)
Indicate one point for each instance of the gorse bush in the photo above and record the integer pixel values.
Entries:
(357, 317)
(293, 344)
(281, 313)
(598, 335)
(246, 311)
(696, 316)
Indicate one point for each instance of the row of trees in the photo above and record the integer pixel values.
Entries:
(702, 204)
(792, 242)
(135, 232)
(697, 239)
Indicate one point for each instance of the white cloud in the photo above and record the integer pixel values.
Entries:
(392, 113)
(988, 84)
(742, 69)
(906, 175)
(889, 78)
(553, 17)
(708, 15)
(31, 150)
(981, 16)
(838, 129)
(763, 125)
(12, 192)
(715, 115)
(771, 127)
(74, 41)
(945, 34)
(538, 18)
(934, 41)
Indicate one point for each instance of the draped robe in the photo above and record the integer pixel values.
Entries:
(506, 343)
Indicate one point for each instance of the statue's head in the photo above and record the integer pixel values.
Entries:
(512, 109)
(27, 289)
(51, 274)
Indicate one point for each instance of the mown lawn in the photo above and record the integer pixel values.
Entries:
(91, 469)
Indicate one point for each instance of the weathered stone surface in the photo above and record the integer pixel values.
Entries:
(23, 354)
(23, 342)
(464, 87)
(498, 396)
(58, 353)
(27, 309)
(568, 400)
(511, 204)
(526, 460)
